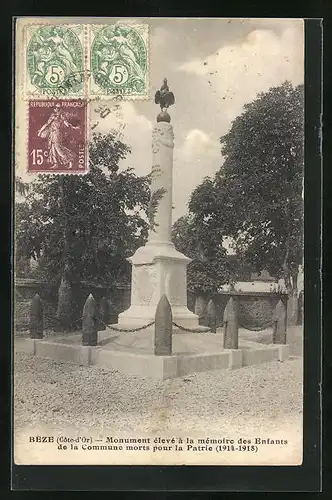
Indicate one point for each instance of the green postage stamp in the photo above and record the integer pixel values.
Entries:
(55, 61)
(86, 60)
(119, 60)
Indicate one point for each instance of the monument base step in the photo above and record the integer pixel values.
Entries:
(137, 316)
(130, 354)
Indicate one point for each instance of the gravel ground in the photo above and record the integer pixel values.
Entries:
(67, 401)
(63, 394)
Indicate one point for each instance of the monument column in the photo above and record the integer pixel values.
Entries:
(158, 268)
(161, 182)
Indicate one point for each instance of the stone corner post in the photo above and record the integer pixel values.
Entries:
(163, 328)
(279, 326)
(231, 326)
(103, 313)
(36, 318)
(211, 316)
(89, 322)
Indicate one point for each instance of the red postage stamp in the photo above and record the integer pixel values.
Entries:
(57, 136)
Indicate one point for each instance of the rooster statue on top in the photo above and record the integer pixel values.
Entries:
(164, 98)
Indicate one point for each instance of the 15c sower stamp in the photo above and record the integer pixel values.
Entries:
(57, 137)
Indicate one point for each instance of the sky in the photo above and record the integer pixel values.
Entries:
(213, 67)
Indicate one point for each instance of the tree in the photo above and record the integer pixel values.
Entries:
(202, 241)
(82, 228)
(22, 259)
(257, 194)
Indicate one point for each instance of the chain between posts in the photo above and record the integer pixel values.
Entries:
(191, 330)
(126, 330)
(195, 330)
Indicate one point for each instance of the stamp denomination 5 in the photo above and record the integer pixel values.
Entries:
(119, 61)
(53, 54)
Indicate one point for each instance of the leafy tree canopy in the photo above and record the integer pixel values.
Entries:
(87, 224)
(210, 266)
(256, 196)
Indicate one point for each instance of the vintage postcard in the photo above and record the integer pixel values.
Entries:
(158, 238)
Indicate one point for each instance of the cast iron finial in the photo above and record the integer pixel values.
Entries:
(164, 98)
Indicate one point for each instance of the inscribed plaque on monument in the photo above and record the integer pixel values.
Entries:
(158, 161)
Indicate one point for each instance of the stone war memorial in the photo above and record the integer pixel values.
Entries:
(158, 268)
(158, 336)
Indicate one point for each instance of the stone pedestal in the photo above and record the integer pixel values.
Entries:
(158, 268)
